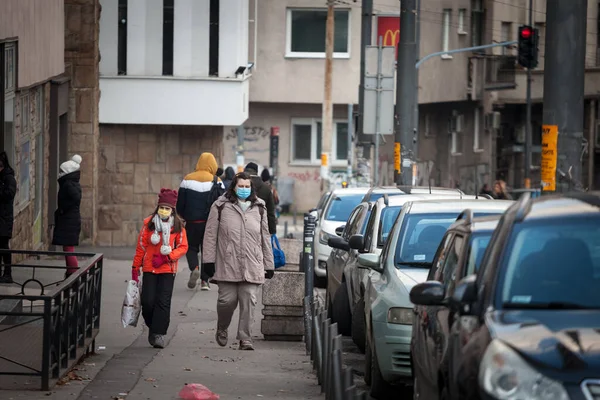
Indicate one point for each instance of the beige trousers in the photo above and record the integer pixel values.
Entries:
(230, 294)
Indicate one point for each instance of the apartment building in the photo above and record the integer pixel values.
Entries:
(31, 60)
(173, 74)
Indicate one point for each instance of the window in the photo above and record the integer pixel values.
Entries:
(446, 32)
(477, 145)
(476, 22)
(306, 33)
(427, 126)
(8, 71)
(167, 45)
(438, 261)
(353, 223)
(25, 114)
(213, 38)
(39, 168)
(461, 21)
(449, 269)
(505, 34)
(554, 260)
(306, 141)
(386, 221)
(477, 248)
(541, 27)
(10, 66)
(122, 39)
(456, 132)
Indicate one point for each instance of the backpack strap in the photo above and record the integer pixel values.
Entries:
(219, 209)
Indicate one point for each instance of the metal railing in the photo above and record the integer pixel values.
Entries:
(45, 334)
(323, 343)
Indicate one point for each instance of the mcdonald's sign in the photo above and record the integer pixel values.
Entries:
(389, 29)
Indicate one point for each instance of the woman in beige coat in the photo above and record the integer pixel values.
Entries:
(237, 243)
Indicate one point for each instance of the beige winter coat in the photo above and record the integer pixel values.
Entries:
(240, 251)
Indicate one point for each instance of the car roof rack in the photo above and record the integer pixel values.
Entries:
(466, 215)
(524, 205)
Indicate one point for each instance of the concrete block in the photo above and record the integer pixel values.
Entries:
(282, 328)
(283, 311)
(284, 289)
(291, 248)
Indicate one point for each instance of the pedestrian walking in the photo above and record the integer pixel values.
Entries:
(264, 193)
(237, 241)
(197, 192)
(8, 190)
(67, 217)
(268, 180)
(161, 243)
(229, 174)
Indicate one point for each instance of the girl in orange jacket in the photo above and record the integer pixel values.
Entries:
(161, 243)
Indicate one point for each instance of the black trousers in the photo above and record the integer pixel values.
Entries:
(157, 290)
(6, 258)
(195, 236)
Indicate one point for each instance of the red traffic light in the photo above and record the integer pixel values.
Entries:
(526, 33)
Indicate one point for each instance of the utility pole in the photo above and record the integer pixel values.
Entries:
(564, 78)
(404, 156)
(528, 133)
(349, 138)
(365, 40)
(327, 124)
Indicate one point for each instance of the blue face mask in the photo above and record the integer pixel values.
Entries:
(243, 193)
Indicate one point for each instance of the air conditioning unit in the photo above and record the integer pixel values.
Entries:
(493, 121)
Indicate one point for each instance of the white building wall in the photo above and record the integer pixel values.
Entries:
(191, 38)
(233, 36)
(109, 37)
(144, 37)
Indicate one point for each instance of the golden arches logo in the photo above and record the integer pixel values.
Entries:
(391, 37)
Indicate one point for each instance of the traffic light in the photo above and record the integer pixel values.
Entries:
(528, 46)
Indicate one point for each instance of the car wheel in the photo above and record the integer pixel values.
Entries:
(380, 389)
(341, 311)
(359, 325)
(368, 361)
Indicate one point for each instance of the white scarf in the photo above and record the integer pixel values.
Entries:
(163, 227)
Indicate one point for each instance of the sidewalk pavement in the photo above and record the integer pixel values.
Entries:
(126, 367)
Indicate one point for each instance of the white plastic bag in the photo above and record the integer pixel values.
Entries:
(132, 305)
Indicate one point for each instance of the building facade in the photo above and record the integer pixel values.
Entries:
(173, 74)
(30, 61)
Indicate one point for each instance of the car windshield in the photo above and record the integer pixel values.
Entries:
(340, 207)
(421, 235)
(386, 221)
(552, 265)
(477, 246)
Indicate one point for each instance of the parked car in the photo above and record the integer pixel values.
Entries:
(365, 232)
(320, 205)
(404, 262)
(459, 254)
(526, 326)
(331, 223)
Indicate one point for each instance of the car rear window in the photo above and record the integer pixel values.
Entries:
(340, 207)
(554, 261)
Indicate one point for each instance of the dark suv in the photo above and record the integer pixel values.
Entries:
(459, 254)
(527, 325)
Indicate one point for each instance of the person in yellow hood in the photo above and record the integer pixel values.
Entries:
(197, 192)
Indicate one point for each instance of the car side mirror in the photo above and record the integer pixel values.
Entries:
(465, 294)
(370, 261)
(429, 293)
(357, 242)
(315, 213)
(338, 243)
(339, 230)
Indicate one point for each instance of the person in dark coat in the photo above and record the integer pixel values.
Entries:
(8, 190)
(263, 191)
(229, 174)
(67, 218)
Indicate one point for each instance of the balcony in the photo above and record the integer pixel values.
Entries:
(160, 100)
(490, 72)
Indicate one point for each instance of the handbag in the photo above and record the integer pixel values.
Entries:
(132, 304)
(278, 254)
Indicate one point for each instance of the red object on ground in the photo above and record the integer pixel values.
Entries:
(196, 391)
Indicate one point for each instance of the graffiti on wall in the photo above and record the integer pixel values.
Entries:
(256, 144)
(473, 177)
(425, 170)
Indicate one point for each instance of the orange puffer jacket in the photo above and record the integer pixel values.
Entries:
(145, 250)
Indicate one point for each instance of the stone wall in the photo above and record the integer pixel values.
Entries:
(82, 24)
(29, 233)
(135, 162)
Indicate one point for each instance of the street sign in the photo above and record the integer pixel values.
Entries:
(384, 87)
(549, 156)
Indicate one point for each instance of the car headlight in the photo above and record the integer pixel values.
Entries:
(324, 237)
(504, 375)
(400, 316)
